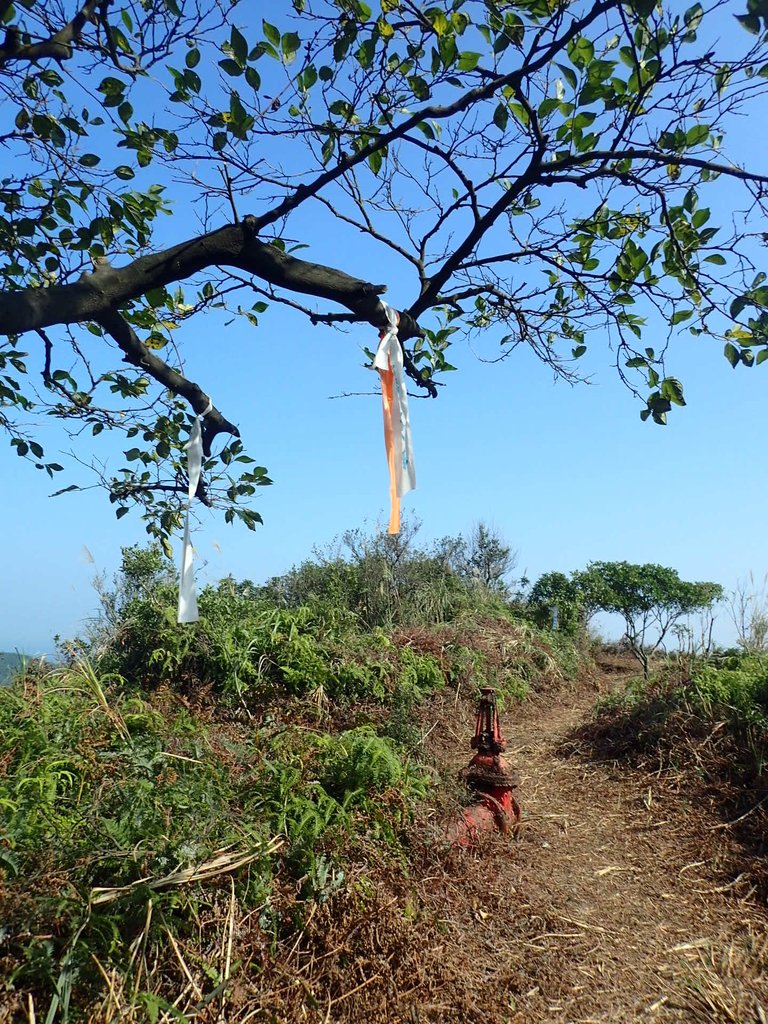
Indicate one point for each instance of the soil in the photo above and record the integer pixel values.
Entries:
(622, 899)
(630, 895)
(625, 898)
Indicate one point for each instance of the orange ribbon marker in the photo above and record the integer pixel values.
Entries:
(397, 424)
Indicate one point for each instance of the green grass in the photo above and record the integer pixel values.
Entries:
(104, 790)
(167, 781)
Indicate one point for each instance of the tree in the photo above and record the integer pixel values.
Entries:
(481, 559)
(555, 590)
(650, 598)
(385, 580)
(748, 610)
(535, 166)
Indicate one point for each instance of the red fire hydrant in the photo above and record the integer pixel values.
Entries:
(490, 778)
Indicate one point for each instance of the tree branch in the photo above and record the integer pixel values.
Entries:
(57, 46)
(437, 112)
(655, 157)
(97, 295)
(139, 355)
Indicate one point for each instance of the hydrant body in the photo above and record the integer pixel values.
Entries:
(490, 777)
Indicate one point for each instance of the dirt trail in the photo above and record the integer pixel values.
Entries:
(616, 903)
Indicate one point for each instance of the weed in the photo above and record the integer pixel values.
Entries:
(138, 799)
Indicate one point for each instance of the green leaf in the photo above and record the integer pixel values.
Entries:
(375, 160)
(579, 351)
(501, 116)
(366, 53)
(738, 305)
(750, 22)
(672, 389)
(696, 135)
(692, 17)
(230, 67)
(239, 45)
(468, 61)
(272, 33)
(581, 51)
(289, 46)
(731, 353)
(569, 75)
(680, 316)
(419, 87)
(722, 78)
(328, 149)
(716, 258)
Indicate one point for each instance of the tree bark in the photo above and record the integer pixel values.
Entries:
(97, 295)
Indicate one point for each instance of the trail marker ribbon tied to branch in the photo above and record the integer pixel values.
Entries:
(187, 594)
(397, 424)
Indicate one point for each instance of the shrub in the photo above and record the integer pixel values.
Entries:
(740, 683)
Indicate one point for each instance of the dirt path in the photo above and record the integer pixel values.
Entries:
(614, 905)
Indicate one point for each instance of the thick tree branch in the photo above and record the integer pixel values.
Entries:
(97, 295)
(57, 46)
(139, 355)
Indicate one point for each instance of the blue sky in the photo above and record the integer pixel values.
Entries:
(566, 474)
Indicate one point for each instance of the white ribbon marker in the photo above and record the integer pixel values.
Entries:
(397, 424)
(194, 450)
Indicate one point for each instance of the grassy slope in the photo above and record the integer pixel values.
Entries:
(264, 767)
(702, 729)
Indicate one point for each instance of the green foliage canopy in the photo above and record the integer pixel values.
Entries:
(556, 590)
(650, 598)
(546, 168)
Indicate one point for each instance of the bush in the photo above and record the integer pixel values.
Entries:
(360, 762)
(107, 795)
(740, 682)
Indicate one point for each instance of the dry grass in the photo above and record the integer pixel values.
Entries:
(618, 904)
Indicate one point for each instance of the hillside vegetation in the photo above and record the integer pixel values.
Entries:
(10, 664)
(238, 820)
(183, 807)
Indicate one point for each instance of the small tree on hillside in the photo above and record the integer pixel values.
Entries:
(748, 610)
(650, 598)
(480, 559)
(556, 590)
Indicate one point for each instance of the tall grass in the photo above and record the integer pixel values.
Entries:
(124, 815)
(168, 781)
